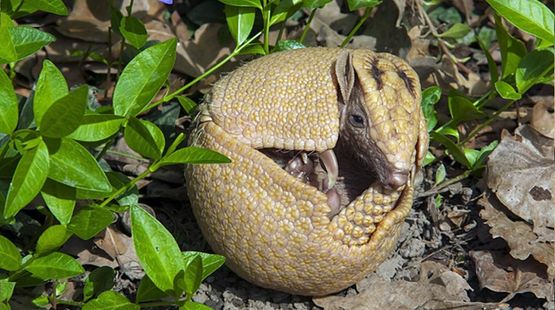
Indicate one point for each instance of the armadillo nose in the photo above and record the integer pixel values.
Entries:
(397, 179)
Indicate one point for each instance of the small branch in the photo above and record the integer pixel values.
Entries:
(439, 188)
(307, 26)
(357, 26)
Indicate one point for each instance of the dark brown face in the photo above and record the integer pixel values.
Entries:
(355, 127)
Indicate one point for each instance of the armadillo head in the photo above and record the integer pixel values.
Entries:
(380, 118)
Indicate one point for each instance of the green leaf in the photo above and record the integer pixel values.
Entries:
(134, 31)
(99, 280)
(456, 31)
(462, 109)
(8, 105)
(286, 45)
(51, 239)
(210, 262)
(191, 305)
(148, 291)
(51, 6)
(28, 179)
(7, 52)
(531, 16)
(144, 138)
(110, 300)
(315, 4)
(60, 200)
(97, 127)
(194, 155)
(243, 3)
(506, 91)
(11, 260)
(51, 86)
(284, 10)
(55, 265)
(430, 96)
(25, 41)
(119, 180)
(187, 104)
(453, 149)
(193, 275)
(512, 50)
(89, 221)
(357, 4)
(240, 21)
(483, 155)
(6, 289)
(253, 49)
(156, 248)
(429, 158)
(64, 115)
(533, 68)
(440, 174)
(492, 66)
(71, 164)
(143, 77)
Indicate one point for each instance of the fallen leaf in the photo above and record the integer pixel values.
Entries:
(502, 273)
(519, 236)
(542, 118)
(521, 173)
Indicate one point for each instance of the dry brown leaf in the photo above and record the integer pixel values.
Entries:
(437, 288)
(448, 76)
(521, 173)
(542, 118)
(519, 236)
(502, 273)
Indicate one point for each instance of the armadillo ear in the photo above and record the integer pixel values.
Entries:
(345, 75)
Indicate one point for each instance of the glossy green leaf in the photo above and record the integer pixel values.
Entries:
(456, 31)
(55, 265)
(51, 86)
(240, 21)
(7, 52)
(193, 275)
(191, 305)
(284, 10)
(243, 3)
(357, 4)
(71, 164)
(512, 50)
(89, 221)
(65, 114)
(51, 239)
(25, 41)
(429, 158)
(440, 174)
(97, 127)
(506, 91)
(286, 45)
(156, 248)
(462, 109)
(453, 149)
(430, 96)
(315, 4)
(492, 65)
(99, 280)
(110, 300)
(134, 31)
(6, 290)
(28, 179)
(8, 105)
(119, 180)
(148, 291)
(483, 154)
(253, 49)
(51, 6)
(534, 68)
(187, 104)
(143, 77)
(60, 200)
(531, 16)
(194, 155)
(144, 138)
(11, 260)
(210, 262)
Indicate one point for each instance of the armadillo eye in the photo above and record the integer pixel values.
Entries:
(357, 120)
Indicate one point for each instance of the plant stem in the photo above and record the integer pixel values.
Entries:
(125, 188)
(266, 14)
(357, 26)
(437, 189)
(202, 76)
(493, 117)
(307, 26)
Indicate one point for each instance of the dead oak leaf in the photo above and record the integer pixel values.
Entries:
(502, 273)
(521, 173)
(519, 236)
